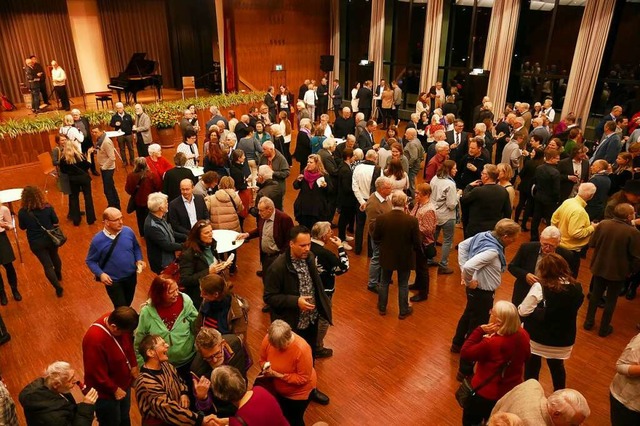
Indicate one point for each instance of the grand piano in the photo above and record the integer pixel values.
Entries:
(139, 74)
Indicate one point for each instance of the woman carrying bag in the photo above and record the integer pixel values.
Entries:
(140, 183)
(76, 167)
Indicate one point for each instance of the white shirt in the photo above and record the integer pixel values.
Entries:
(191, 151)
(361, 181)
(550, 113)
(310, 98)
(58, 76)
(484, 267)
(191, 209)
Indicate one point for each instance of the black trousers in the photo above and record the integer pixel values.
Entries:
(478, 409)
(361, 219)
(541, 211)
(422, 273)
(366, 112)
(121, 292)
(310, 335)
(621, 415)
(109, 187)
(613, 290)
(141, 215)
(50, 261)
(63, 96)
(347, 216)
(126, 143)
(43, 90)
(81, 184)
(556, 368)
(525, 206)
(293, 409)
(143, 149)
(476, 313)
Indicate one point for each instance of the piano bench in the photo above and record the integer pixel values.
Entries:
(103, 97)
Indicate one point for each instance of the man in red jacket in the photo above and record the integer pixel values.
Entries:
(110, 364)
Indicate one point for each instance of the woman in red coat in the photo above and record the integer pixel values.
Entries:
(140, 183)
(499, 350)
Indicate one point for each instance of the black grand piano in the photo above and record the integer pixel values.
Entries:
(139, 74)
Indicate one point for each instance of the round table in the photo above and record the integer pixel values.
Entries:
(226, 240)
(8, 196)
(114, 133)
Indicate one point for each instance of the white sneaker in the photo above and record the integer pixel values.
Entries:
(346, 246)
(349, 238)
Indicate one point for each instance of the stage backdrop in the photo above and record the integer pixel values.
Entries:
(41, 28)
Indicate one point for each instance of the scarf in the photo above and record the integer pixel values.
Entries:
(311, 177)
(486, 241)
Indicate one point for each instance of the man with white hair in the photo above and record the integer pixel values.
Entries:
(540, 130)
(363, 180)
(59, 80)
(361, 124)
(242, 127)
(376, 206)
(564, 407)
(48, 400)
(269, 187)
(572, 220)
(415, 154)
(548, 110)
(525, 113)
(185, 122)
(331, 167)
(478, 108)
(524, 264)
(344, 124)
(442, 154)
(123, 121)
(274, 159)
(215, 117)
(142, 129)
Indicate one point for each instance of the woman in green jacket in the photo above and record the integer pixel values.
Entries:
(171, 315)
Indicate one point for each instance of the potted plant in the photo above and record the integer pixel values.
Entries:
(164, 119)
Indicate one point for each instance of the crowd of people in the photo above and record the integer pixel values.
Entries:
(186, 353)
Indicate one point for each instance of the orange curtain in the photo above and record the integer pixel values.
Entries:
(500, 42)
(136, 26)
(587, 58)
(376, 38)
(431, 46)
(41, 28)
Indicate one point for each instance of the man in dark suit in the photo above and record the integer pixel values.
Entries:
(303, 89)
(612, 116)
(457, 140)
(337, 95)
(470, 164)
(173, 177)
(573, 170)
(523, 265)
(187, 209)
(322, 103)
(484, 203)
(366, 140)
(398, 235)
(242, 127)
(378, 95)
(344, 124)
(299, 303)
(365, 99)
(540, 130)
(270, 102)
(610, 145)
(547, 191)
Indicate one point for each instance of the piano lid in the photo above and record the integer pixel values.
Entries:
(139, 66)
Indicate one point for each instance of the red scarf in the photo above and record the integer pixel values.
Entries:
(311, 177)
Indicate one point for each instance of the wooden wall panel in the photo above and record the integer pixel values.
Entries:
(288, 32)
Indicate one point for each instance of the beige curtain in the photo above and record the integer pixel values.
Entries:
(136, 26)
(499, 51)
(431, 46)
(376, 38)
(41, 28)
(334, 43)
(221, 42)
(587, 58)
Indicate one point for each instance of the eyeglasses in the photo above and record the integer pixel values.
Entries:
(215, 355)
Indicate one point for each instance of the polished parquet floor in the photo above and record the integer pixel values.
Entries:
(384, 371)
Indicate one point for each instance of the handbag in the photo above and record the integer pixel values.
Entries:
(429, 250)
(131, 205)
(55, 234)
(265, 382)
(465, 392)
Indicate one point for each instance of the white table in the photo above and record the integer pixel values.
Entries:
(339, 140)
(114, 133)
(226, 240)
(8, 196)
(197, 171)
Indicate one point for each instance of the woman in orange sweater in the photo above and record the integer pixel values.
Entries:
(287, 358)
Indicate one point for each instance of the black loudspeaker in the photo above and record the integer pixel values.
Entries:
(326, 63)
(364, 72)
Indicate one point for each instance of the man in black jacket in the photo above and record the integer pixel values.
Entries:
(344, 124)
(523, 265)
(577, 162)
(294, 292)
(187, 209)
(337, 95)
(484, 203)
(123, 121)
(269, 187)
(173, 177)
(365, 99)
(547, 191)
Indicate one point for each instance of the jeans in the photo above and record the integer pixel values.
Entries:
(361, 219)
(111, 412)
(448, 229)
(121, 292)
(374, 266)
(403, 291)
(35, 98)
(109, 188)
(613, 290)
(50, 260)
(412, 181)
(556, 368)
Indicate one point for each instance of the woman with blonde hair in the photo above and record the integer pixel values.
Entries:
(500, 350)
(550, 310)
(314, 187)
(505, 173)
(285, 126)
(71, 132)
(76, 167)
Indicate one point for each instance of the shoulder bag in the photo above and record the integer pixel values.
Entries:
(55, 234)
(104, 261)
(131, 205)
(465, 392)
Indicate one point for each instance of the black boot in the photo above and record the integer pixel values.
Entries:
(3, 297)
(4, 334)
(16, 294)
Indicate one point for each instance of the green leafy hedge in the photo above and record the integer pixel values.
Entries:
(163, 114)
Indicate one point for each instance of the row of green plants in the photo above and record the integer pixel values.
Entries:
(163, 114)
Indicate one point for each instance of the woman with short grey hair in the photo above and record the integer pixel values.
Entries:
(286, 357)
(256, 407)
(162, 241)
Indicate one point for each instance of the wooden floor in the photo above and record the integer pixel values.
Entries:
(384, 371)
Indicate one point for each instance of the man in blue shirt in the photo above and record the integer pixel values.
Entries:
(115, 258)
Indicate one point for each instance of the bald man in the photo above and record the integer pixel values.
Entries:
(115, 258)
